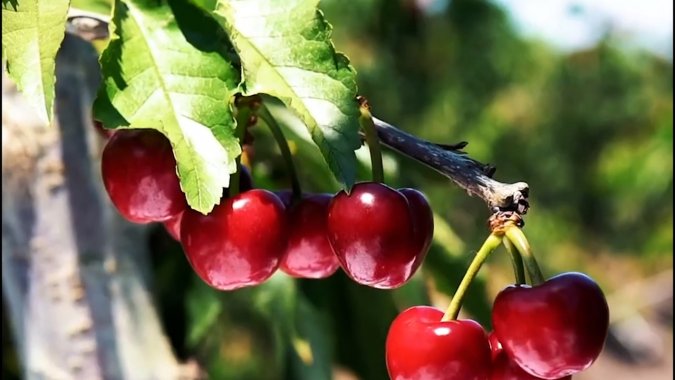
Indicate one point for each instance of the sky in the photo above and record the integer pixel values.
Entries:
(576, 24)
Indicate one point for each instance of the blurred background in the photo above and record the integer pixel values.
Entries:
(573, 97)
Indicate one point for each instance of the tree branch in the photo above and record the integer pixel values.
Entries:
(87, 25)
(464, 171)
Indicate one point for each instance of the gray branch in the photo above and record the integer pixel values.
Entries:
(464, 171)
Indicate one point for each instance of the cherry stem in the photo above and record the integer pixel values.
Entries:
(491, 243)
(243, 115)
(373, 141)
(516, 260)
(519, 241)
(278, 134)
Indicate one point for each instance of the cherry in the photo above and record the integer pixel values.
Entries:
(423, 222)
(371, 231)
(139, 174)
(172, 225)
(286, 197)
(422, 347)
(495, 347)
(505, 369)
(554, 329)
(308, 253)
(239, 243)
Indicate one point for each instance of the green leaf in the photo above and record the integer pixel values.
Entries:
(97, 6)
(167, 69)
(32, 32)
(286, 51)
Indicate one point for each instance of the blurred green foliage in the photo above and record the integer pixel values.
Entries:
(590, 131)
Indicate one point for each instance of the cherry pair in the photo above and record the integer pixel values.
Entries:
(550, 331)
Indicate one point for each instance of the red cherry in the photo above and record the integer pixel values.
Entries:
(308, 253)
(172, 225)
(554, 329)
(139, 173)
(423, 222)
(420, 346)
(495, 347)
(505, 369)
(286, 197)
(239, 243)
(371, 232)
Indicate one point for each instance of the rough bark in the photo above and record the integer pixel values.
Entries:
(464, 171)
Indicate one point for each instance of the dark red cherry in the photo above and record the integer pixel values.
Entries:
(286, 197)
(423, 222)
(372, 234)
(239, 243)
(139, 174)
(172, 226)
(420, 346)
(495, 347)
(505, 369)
(308, 253)
(554, 329)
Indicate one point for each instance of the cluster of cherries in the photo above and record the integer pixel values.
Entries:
(549, 331)
(378, 235)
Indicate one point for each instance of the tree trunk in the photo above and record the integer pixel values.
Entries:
(74, 274)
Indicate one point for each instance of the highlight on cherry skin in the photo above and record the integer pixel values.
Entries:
(142, 193)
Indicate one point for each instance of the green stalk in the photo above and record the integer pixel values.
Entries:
(518, 239)
(516, 260)
(366, 121)
(243, 115)
(278, 134)
(491, 243)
